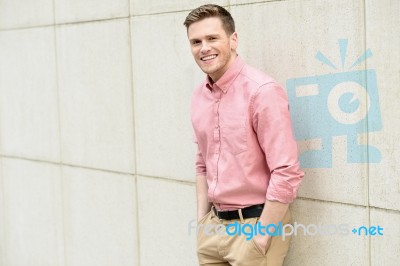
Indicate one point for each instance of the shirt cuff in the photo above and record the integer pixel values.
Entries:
(281, 191)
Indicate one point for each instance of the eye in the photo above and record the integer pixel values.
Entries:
(195, 42)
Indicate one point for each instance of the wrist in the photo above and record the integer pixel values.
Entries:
(263, 239)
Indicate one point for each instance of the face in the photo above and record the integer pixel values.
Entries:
(213, 50)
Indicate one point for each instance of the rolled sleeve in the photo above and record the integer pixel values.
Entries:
(272, 123)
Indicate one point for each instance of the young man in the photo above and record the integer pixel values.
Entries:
(247, 165)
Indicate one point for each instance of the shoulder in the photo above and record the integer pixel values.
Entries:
(265, 91)
(255, 76)
(261, 84)
(199, 89)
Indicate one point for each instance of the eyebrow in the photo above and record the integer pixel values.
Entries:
(207, 36)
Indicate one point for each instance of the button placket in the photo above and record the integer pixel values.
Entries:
(217, 138)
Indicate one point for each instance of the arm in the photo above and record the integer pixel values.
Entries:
(203, 206)
(274, 130)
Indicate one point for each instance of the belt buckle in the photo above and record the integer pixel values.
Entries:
(216, 212)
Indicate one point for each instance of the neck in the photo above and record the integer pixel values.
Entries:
(216, 76)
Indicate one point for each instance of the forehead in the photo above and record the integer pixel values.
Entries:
(204, 27)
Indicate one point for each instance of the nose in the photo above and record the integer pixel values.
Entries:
(204, 48)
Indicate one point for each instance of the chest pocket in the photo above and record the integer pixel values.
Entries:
(234, 135)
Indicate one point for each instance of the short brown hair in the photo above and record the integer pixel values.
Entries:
(208, 11)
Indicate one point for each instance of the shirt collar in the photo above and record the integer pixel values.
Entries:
(228, 77)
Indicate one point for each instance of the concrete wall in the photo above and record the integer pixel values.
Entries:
(95, 136)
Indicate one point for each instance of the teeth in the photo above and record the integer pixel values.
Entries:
(208, 57)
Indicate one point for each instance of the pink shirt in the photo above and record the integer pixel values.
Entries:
(246, 147)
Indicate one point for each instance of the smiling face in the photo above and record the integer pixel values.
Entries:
(212, 48)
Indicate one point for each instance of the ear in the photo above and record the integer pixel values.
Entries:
(234, 41)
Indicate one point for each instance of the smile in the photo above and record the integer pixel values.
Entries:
(208, 57)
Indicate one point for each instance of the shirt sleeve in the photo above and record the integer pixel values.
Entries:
(199, 160)
(272, 123)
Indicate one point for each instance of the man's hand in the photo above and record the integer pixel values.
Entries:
(264, 242)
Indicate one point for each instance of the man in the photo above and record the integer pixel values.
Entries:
(247, 168)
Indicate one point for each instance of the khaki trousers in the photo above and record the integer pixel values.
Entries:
(223, 249)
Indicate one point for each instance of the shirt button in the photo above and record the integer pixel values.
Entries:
(216, 126)
(217, 101)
